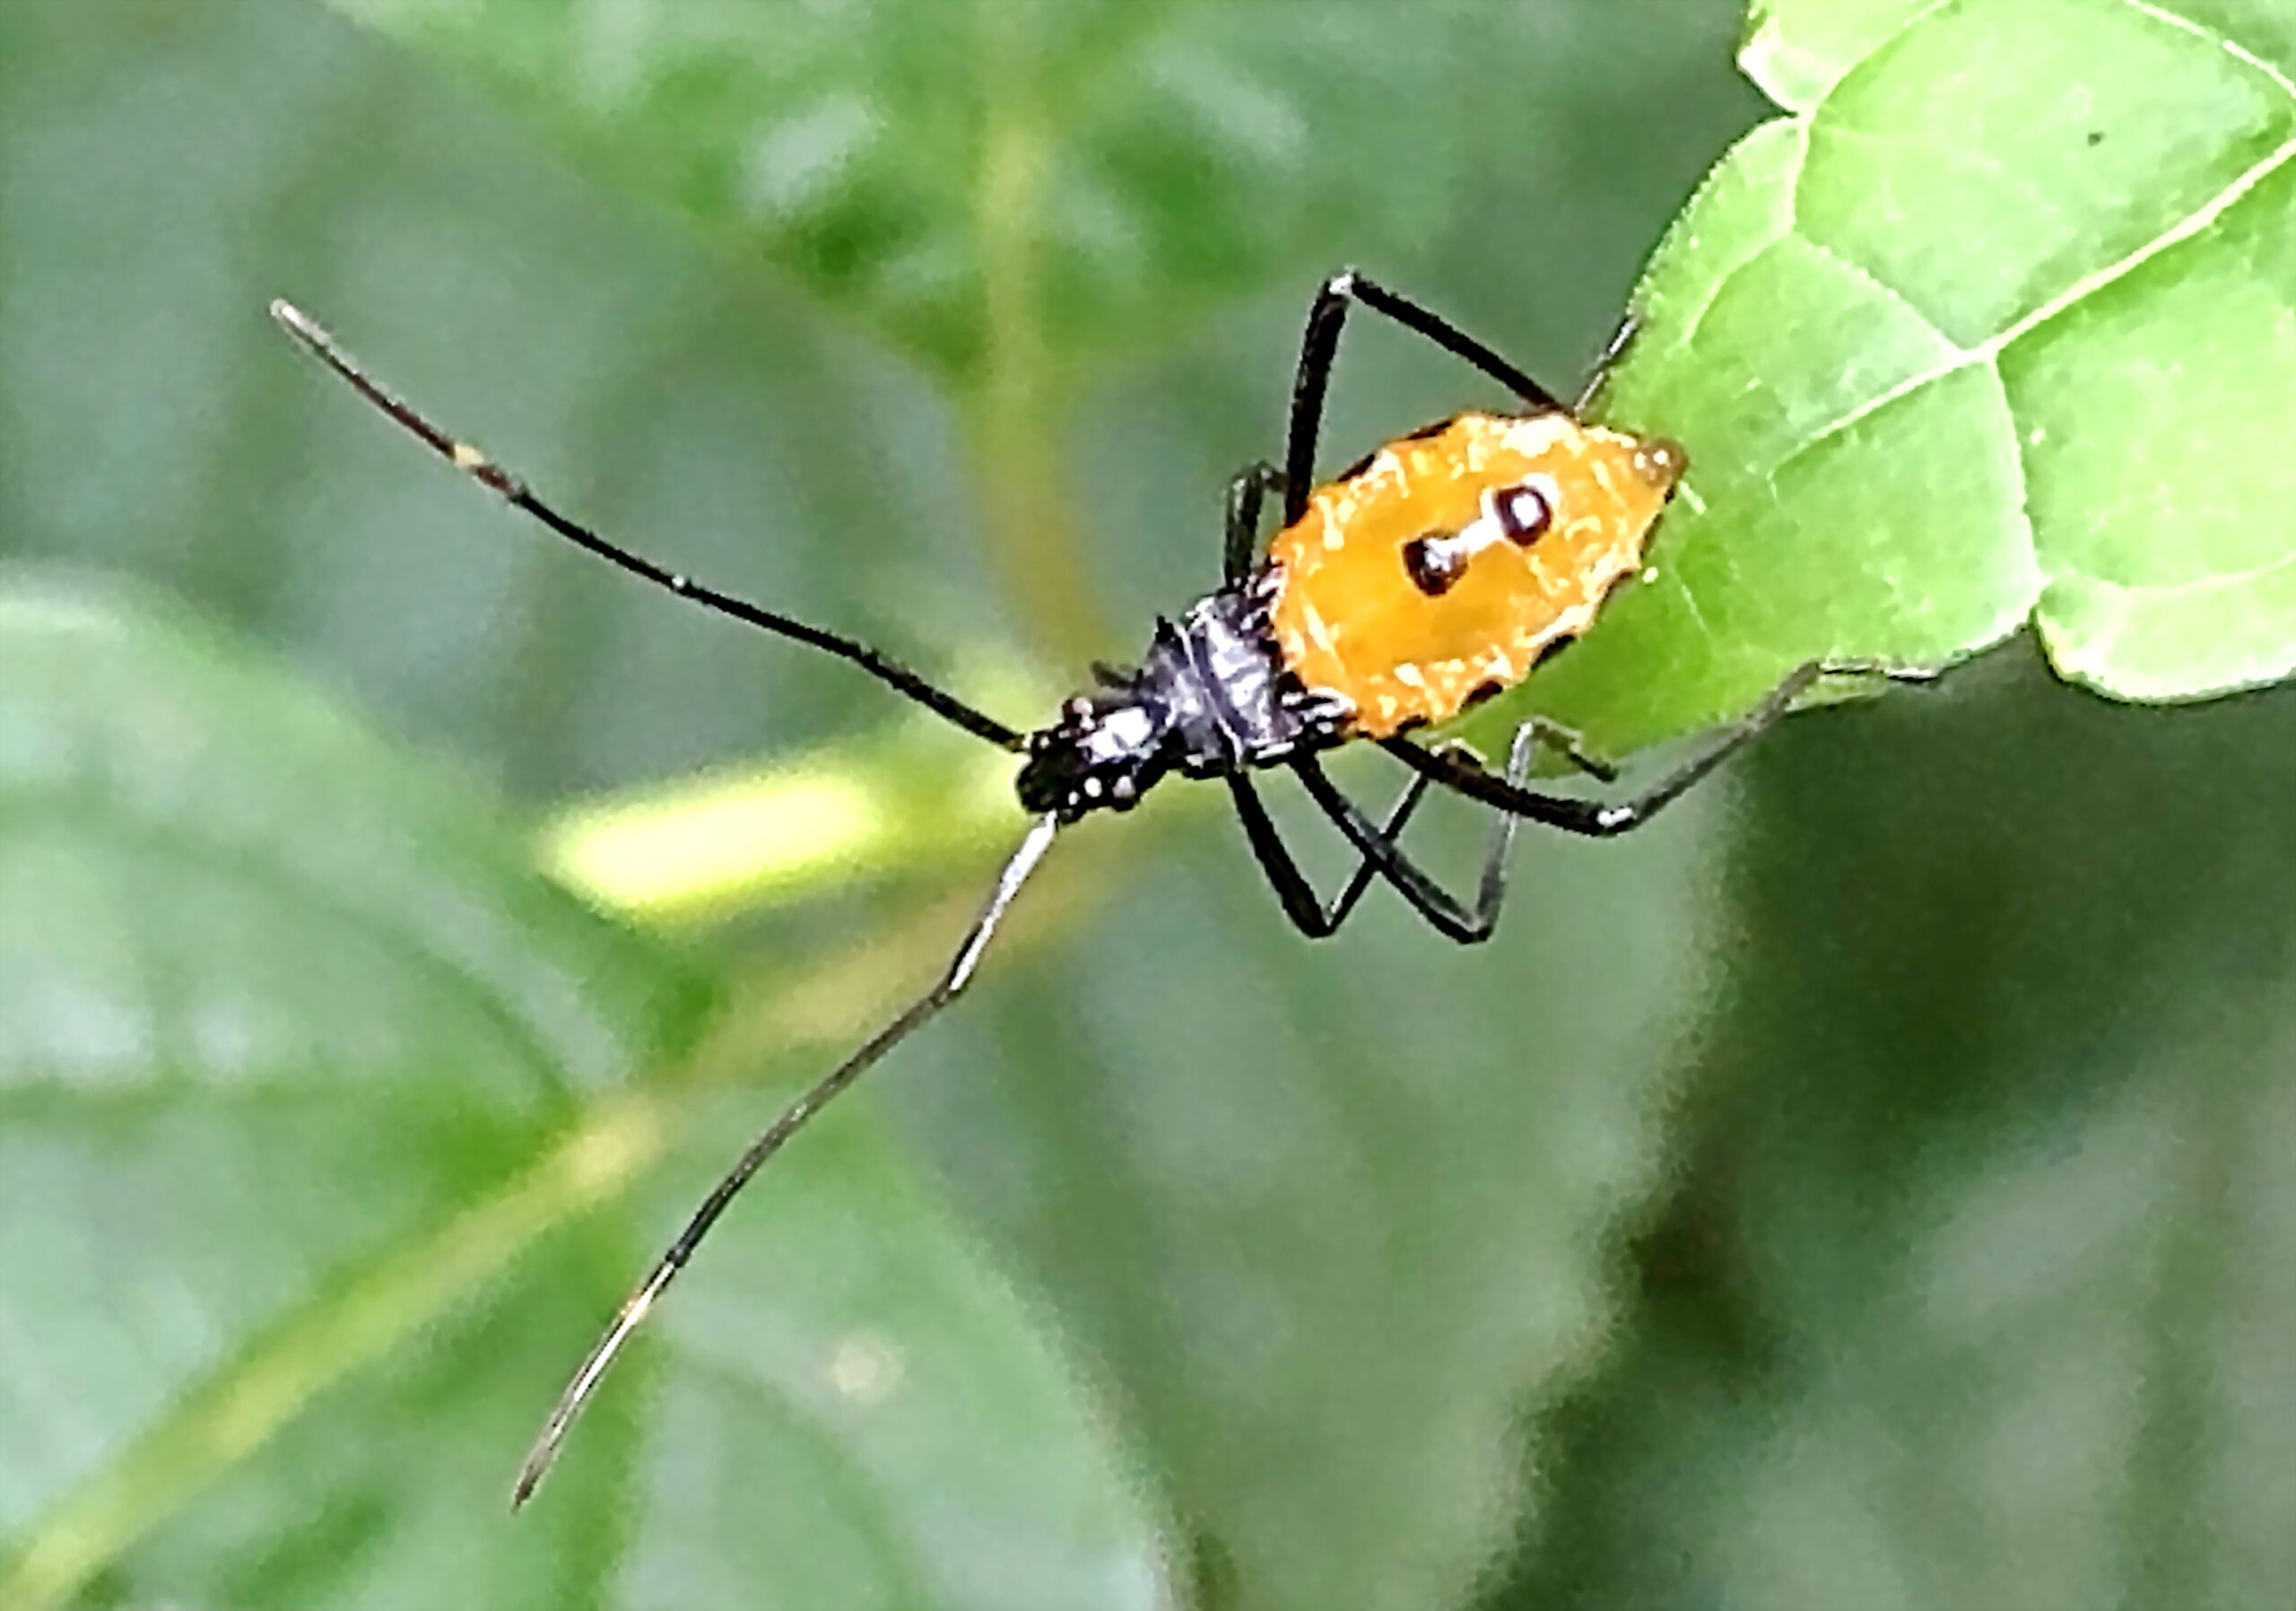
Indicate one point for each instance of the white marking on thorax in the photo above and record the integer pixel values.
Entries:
(1119, 732)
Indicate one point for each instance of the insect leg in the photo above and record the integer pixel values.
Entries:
(1605, 819)
(1320, 345)
(1445, 913)
(1248, 490)
(769, 1141)
(1612, 355)
(514, 492)
(1568, 743)
(1307, 910)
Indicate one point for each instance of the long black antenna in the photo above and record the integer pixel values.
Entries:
(516, 492)
(769, 1141)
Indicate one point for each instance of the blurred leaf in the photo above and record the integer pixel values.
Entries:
(1336, 1218)
(1978, 1292)
(1086, 170)
(300, 1065)
(1972, 340)
(165, 170)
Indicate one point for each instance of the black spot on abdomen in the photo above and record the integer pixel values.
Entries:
(1551, 647)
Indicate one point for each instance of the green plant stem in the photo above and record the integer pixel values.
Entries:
(1017, 411)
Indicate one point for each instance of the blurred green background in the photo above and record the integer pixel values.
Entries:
(1866, 1189)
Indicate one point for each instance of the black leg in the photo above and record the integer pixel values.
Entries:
(1294, 893)
(793, 1119)
(1381, 857)
(1602, 820)
(1538, 732)
(1248, 490)
(1566, 742)
(1454, 921)
(1320, 345)
(1390, 831)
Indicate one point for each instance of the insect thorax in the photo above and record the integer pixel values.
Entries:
(1210, 697)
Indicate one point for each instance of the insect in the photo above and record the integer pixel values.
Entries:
(1439, 570)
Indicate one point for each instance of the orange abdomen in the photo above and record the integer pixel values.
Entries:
(1350, 617)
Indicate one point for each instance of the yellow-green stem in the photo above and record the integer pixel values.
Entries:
(1018, 413)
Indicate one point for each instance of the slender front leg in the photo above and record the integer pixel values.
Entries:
(1248, 490)
(1605, 820)
(1320, 345)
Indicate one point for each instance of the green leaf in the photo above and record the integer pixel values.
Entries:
(1971, 341)
(1068, 176)
(1339, 1218)
(1977, 1289)
(317, 1101)
(1797, 50)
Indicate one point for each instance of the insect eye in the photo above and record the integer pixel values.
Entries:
(1524, 513)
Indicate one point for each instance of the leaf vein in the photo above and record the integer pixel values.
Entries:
(2089, 286)
(2231, 46)
(241, 1406)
